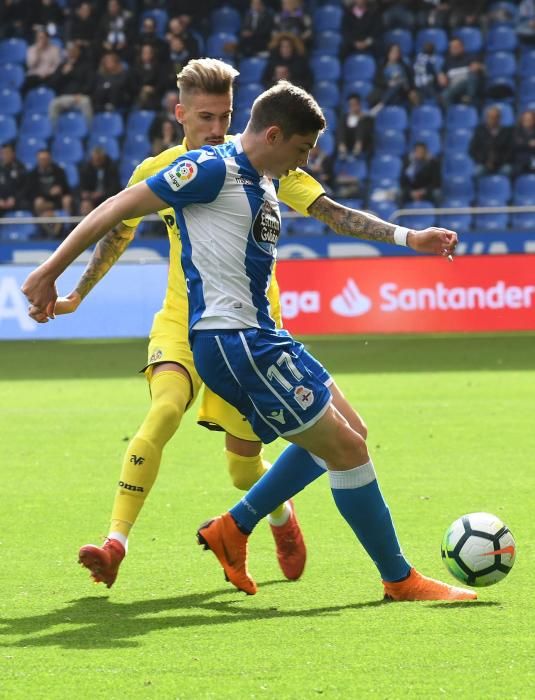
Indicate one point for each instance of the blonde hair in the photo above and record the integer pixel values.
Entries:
(208, 75)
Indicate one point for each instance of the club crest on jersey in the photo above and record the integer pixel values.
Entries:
(267, 227)
(156, 355)
(181, 174)
(303, 396)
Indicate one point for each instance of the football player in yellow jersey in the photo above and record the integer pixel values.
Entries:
(204, 110)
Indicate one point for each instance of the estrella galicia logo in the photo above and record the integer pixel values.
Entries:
(267, 227)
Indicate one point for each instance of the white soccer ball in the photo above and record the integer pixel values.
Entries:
(478, 549)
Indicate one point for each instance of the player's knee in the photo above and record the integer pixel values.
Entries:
(167, 413)
(351, 450)
(245, 471)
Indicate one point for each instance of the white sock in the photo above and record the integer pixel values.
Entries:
(123, 539)
(282, 519)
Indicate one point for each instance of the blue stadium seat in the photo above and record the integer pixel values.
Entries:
(455, 164)
(108, 143)
(501, 38)
(10, 102)
(36, 124)
(418, 221)
(252, 69)
(362, 88)
(67, 149)
(352, 167)
(225, 19)
(491, 222)
(390, 141)
(434, 35)
(358, 67)
(382, 209)
(461, 223)
(426, 117)
(384, 169)
(527, 64)
(351, 203)
(217, 45)
(500, 64)
(139, 121)
(307, 226)
(27, 148)
(18, 232)
(11, 76)
(160, 17)
(72, 173)
(327, 43)
(38, 100)
(523, 221)
(8, 128)
(458, 140)
(391, 118)
(493, 190)
(461, 116)
(327, 142)
(126, 168)
(327, 18)
(136, 147)
(503, 12)
(325, 68)
(71, 124)
(246, 94)
(458, 185)
(526, 92)
(471, 38)
(13, 50)
(431, 138)
(327, 93)
(330, 117)
(524, 189)
(239, 120)
(107, 124)
(401, 37)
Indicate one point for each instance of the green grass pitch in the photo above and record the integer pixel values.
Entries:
(451, 430)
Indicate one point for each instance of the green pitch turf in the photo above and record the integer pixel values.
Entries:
(451, 430)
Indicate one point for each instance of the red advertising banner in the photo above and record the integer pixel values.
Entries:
(408, 295)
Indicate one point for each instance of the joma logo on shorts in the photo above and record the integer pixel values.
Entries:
(131, 487)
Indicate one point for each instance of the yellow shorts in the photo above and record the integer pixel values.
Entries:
(217, 414)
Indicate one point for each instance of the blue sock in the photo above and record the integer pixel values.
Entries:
(360, 501)
(294, 469)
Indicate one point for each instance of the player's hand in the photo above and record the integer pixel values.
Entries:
(433, 241)
(67, 304)
(40, 290)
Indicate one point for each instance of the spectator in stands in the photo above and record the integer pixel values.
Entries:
(420, 178)
(81, 26)
(320, 165)
(179, 27)
(72, 83)
(149, 35)
(179, 55)
(432, 13)
(256, 29)
(361, 28)
(393, 81)
(492, 145)
(149, 78)
(48, 14)
(42, 59)
(355, 130)
(287, 50)
(426, 68)
(99, 179)
(12, 180)
(116, 31)
(14, 19)
(166, 113)
(466, 14)
(293, 19)
(525, 27)
(397, 13)
(461, 75)
(167, 136)
(47, 190)
(112, 84)
(524, 143)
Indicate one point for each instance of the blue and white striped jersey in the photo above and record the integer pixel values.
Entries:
(229, 219)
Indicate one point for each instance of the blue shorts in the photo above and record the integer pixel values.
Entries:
(267, 375)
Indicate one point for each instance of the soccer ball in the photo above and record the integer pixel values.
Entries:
(478, 549)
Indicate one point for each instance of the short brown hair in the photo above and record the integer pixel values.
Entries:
(290, 108)
(206, 75)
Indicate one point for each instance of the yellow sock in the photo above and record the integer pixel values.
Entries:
(170, 392)
(245, 471)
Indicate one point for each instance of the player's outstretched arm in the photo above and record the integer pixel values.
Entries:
(106, 253)
(133, 202)
(360, 224)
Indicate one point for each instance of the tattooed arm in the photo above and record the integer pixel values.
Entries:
(360, 224)
(106, 253)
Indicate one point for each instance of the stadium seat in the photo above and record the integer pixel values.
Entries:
(35, 124)
(327, 44)
(390, 141)
(523, 221)
(38, 100)
(327, 142)
(458, 185)
(325, 68)
(246, 94)
(401, 37)
(327, 18)
(126, 168)
(107, 124)
(461, 116)
(67, 149)
(27, 148)
(471, 38)
(352, 167)
(10, 102)
(391, 118)
(526, 93)
(160, 17)
(503, 12)
(18, 232)
(362, 88)
(384, 210)
(327, 93)
(136, 147)
(330, 117)
(418, 221)
(358, 67)
(524, 189)
(218, 45)
(501, 38)
(491, 222)
(430, 137)
(239, 120)
(11, 76)
(426, 117)
(457, 164)
(500, 64)
(71, 124)
(307, 226)
(460, 223)
(108, 143)
(251, 69)
(493, 190)
(458, 140)
(13, 50)
(225, 19)
(72, 173)
(527, 64)
(139, 121)
(384, 168)
(435, 36)
(8, 128)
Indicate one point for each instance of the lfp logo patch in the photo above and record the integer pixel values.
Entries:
(180, 175)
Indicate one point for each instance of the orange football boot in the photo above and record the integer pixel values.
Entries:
(103, 562)
(291, 550)
(419, 587)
